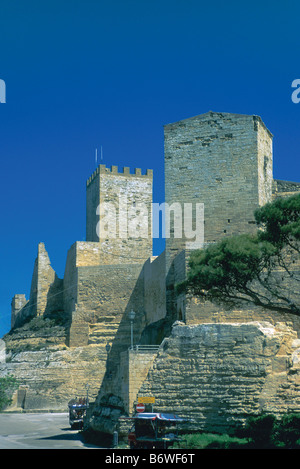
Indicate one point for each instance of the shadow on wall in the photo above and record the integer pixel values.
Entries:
(113, 396)
(109, 404)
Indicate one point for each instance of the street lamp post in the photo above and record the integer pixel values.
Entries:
(131, 317)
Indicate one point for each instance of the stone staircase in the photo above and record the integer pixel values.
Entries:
(103, 332)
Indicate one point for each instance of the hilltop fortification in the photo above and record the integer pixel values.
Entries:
(77, 331)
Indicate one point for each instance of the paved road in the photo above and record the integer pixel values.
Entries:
(39, 431)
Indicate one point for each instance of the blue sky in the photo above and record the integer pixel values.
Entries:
(84, 73)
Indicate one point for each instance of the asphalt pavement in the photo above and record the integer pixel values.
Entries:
(39, 431)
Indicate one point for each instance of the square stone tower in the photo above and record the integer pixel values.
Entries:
(119, 214)
(223, 161)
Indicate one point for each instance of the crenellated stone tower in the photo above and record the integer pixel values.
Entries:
(123, 201)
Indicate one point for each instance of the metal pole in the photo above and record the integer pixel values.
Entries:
(115, 439)
(131, 317)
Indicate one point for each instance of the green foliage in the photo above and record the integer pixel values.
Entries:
(232, 263)
(8, 385)
(280, 221)
(210, 441)
(264, 431)
(245, 268)
(286, 433)
(260, 429)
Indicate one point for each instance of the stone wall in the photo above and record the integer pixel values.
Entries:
(285, 188)
(98, 296)
(264, 161)
(70, 281)
(155, 288)
(106, 294)
(219, 374)
(134, 368)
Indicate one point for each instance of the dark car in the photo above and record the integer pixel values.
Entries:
(77, 410)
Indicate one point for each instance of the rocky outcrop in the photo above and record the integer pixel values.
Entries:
(106, 413)
(53, 375)
(50, 373)
(34, 335)
(218, 374)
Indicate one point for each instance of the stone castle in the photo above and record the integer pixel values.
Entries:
(214, 365)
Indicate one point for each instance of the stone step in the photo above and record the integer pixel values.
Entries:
(104, 328)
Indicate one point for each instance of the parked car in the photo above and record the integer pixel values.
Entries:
(77, 410)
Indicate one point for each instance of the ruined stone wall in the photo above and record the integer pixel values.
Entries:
(18, 310)
(127, 195)
(219, 374)
(43, 277)
(46, 292)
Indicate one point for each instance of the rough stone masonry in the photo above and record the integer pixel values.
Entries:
(215, 365)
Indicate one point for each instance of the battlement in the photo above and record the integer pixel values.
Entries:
(113, 170)
(108, 185)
